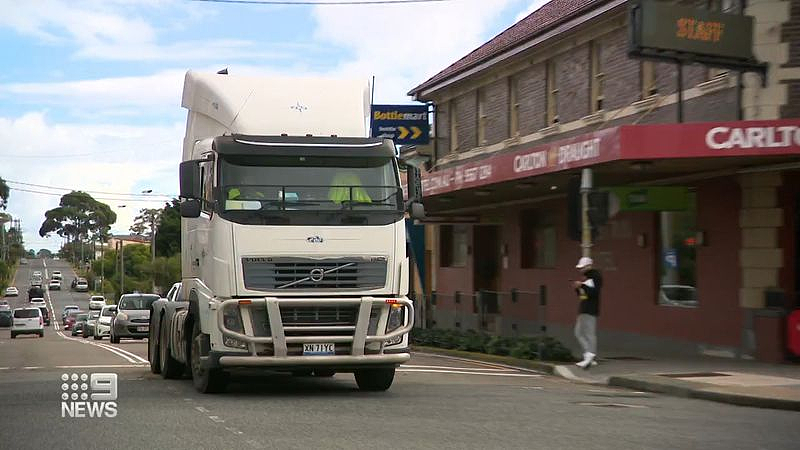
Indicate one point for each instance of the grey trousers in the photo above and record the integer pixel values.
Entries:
(586, 332)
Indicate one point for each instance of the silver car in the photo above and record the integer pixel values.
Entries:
(88, 329)
(132, 319)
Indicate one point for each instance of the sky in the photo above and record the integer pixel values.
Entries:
(90, 90)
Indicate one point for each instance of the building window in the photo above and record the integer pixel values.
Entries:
(648, 79)
(453, 245)
(538, 240)
(552, 93)
(481, 117)
(596, 77)
(513, 106)
(678, 256)
(451, 119)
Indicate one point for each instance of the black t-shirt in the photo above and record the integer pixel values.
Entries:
(589, 293)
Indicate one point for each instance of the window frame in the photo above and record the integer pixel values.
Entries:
(513, 106)
(596, 77)
(481, 116)
(551, 93)
(453, 125)
(647, 79)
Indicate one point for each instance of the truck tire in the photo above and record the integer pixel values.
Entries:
(171, 368)
(152, 351)
(206, 381)
(13, 336)
(97, 337)
(374, 379)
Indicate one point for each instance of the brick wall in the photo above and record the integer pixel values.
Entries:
(621, 85)
(792, 107)
(790, 32)
(572, 82)
(466, 115)
(497, 111)
(530, 93)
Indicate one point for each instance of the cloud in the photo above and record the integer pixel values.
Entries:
(402, 45)
(108, 158)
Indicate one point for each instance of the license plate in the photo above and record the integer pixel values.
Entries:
(319, 349)
(142, 328)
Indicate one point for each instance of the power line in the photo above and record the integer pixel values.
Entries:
(96, 198)
(90, 192)
(322, 2)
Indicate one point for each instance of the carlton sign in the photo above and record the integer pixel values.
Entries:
(721, 138)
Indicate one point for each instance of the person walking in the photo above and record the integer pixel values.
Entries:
(588, 291)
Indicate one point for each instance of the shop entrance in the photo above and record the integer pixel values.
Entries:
(486, 273)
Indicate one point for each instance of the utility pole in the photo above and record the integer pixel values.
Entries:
(586, 229)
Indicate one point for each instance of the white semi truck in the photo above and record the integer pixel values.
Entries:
(292, 234)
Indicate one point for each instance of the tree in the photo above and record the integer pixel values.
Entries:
(44, 253)
(168, 233)
(4, 193)
(77, 217)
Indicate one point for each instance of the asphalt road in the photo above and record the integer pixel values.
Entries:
(435, 402)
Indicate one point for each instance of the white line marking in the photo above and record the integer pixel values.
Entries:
(5, 368)
(233, 430)
(201, 409)
(216, 419)
(538, 388)
(524, 375)
(33, 367)
(411, 366)
(114, 350)
(132, 355)
(101, 366)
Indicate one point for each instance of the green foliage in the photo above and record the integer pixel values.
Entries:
(518, 347)
(168, 231)
(5, 274)
(167, 271)
(78, 216)
(5, 192)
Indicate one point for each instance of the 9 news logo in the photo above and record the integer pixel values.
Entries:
(95, 399)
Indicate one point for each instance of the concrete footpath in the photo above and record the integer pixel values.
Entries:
(726, 380)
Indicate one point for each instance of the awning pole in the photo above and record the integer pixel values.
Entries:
(586, 230)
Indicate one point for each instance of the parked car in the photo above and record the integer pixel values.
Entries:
(133, 317)
(97, 302)
(71, 318)
(103, 325)
(54, 285)
(11, 291)
(81, 285)
(35, 292)
(27, 321)
(66, 311)
(88, 330)
(80, 323)
(5, 317)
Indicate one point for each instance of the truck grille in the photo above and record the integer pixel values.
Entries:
(311, 274)
(319, 315)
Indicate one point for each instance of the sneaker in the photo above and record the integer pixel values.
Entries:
(587, 361)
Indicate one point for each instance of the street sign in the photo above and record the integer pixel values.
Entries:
(404, 124)
(642, 198)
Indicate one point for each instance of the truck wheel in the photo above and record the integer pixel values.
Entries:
(324, 373)
(171, 368)
(152, 352)
(374, 379)
(13, 336)
(207, 381)
(97, 337)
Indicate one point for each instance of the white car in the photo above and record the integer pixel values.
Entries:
(27, 321)
(81, 285)
(96, 302)
(38, 302)
(103, 325)
(56, 275)
(11, 291)
(37, 273)
(54, 285)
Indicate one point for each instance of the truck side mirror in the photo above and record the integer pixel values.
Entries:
(414, 180)
(417, 210)
(190, 179)
(190, 208)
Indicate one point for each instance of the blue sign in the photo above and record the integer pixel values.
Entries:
(404, 124)
(671, 258)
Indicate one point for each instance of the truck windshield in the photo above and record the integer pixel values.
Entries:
(299, 189)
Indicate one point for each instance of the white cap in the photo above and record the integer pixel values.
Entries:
(583, 262)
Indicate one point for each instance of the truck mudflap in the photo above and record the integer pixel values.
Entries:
(292, 332)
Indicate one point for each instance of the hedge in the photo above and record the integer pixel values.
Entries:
(523, 347)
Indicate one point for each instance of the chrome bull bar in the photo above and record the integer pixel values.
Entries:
(358, 339)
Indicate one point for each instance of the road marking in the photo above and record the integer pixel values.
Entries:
(5, 368)
(216, 419)
(612, 405)
(478, 363)
(32, 367)
(412, 366)
(234, 430)
(115, 350)
(101, 366)
(201, 409)
(461, 372)
(131, 354)
(537, 388)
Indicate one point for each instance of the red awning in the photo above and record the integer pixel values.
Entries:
(626, 142)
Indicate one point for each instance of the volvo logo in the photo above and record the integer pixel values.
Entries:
(315, 240)
(316, 275)
(299, 107)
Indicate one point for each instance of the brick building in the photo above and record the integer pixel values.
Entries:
(518, 117)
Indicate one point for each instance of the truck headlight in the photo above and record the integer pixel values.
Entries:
(234, 343)
(397, 314)
(232, 318)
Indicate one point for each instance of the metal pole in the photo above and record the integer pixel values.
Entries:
(153, 250)
(586, 229)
